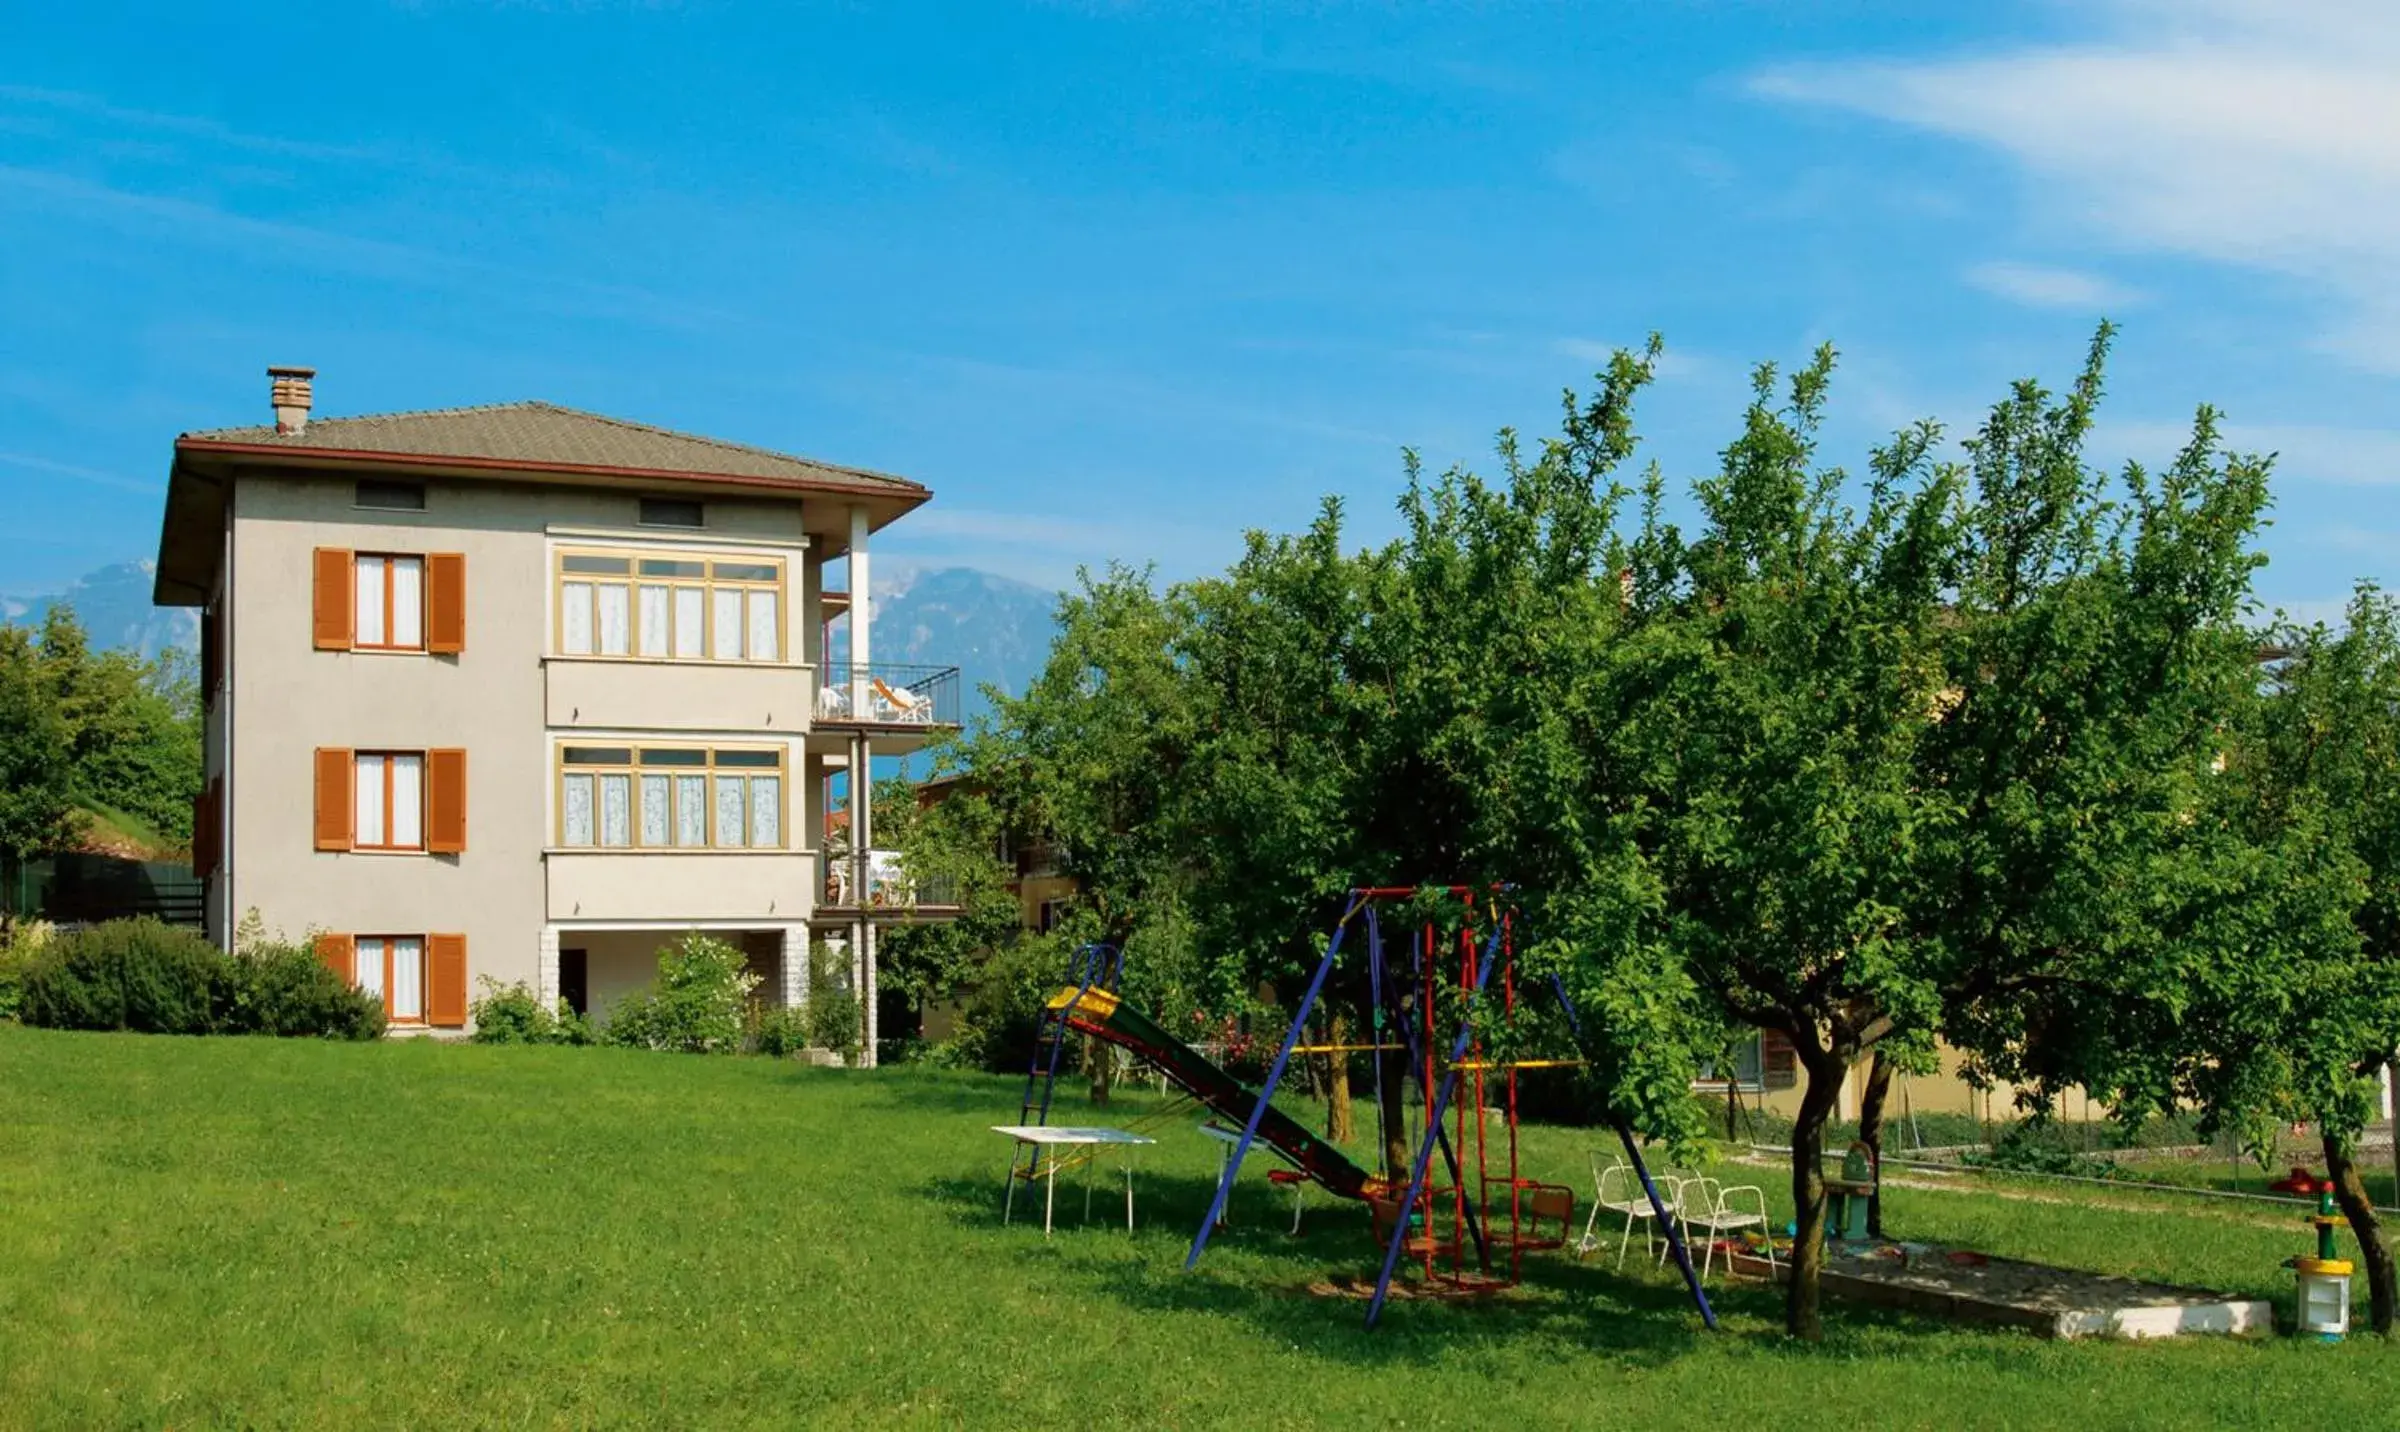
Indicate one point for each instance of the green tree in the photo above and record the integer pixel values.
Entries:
(2097, 665)
(132, 727)
(37, 801)
(1781, 671)
(952, 845)
(2285, 1004)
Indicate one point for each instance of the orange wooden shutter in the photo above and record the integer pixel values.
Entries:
(336, 597)
(1779, 1062)
(446, 801)
(336, 790)
(339, 953)
(446, 980)
(446, 601)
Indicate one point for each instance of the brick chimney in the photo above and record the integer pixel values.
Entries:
(290, 394)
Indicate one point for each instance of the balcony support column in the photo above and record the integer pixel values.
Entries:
(796, 950)
(862, 847)
(862, 616)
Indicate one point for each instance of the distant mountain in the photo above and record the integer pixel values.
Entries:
(992, 628)
(113, 604)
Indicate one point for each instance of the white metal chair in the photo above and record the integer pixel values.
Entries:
(1617, 1189)
(1714, 1211)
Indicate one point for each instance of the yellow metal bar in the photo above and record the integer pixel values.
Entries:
(1520, 1064)
(1345, 1048)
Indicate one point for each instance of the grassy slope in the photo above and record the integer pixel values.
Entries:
(275, 1233)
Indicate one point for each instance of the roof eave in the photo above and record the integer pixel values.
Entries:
(898, 489)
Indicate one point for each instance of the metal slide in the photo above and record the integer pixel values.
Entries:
(1102, 1015)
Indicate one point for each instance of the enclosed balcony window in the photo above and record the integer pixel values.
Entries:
(626, 604)
(671, 797)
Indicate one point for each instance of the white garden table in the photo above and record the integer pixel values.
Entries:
(1058, 1144)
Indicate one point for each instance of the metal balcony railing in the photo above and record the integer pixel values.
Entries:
(888, 886)
(887, 693)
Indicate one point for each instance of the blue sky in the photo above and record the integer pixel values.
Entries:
(1122, 280)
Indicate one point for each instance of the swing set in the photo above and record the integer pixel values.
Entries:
(1469, 1233)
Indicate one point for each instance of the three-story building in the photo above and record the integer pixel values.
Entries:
(522, 692)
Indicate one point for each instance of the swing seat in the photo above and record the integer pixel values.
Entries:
(1388, 1213)
(1545, 1216)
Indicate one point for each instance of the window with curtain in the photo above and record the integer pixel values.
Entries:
(670, 608)
(389, 809)
(392, 968)
(671, 797)
(390, 602)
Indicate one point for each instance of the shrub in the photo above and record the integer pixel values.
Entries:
(694, 1006)
(155, 979)
(130, 974)
(777, 1032)
(1002, 1015)
(286, 990)
(510, 1014)
(835, 1015)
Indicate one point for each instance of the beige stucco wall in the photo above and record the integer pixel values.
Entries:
(589, 692)
(493, 699)
(671, 885)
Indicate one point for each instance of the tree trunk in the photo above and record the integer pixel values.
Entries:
(1825, 1073)
(1099, 1061)
(1394, 1114)
(1870, 1133)
(1338, 1127)
(2350, 1191)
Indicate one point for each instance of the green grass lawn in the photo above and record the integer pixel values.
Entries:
(212, 1232)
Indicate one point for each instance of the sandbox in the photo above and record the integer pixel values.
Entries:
(1970, 1287)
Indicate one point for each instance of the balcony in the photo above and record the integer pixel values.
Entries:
(890, 892)
(888, 696)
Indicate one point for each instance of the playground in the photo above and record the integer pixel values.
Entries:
(275, 1232)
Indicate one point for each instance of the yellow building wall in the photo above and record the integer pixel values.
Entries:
(1945, 1091)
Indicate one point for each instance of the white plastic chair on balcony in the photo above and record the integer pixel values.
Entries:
(833, 703)
(1617, 1189)
(900, 704)
(1714, 1211)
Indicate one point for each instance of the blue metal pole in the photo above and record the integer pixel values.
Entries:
(1658, 1206)
(1424, 1160)
(1089, 961)
(1258, 1111)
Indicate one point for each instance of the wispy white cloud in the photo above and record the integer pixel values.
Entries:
(2331, 456)
(172, 219)
(2041, 286)
(1061, 533)
(1671, 363)
(2264, 133)
(54, 468)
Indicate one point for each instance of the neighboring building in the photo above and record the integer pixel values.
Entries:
(521, 693)
(1043, 891)
(1766, 1075)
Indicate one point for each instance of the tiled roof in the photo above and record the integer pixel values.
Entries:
(544, 435)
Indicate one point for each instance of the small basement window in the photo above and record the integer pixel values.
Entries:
(670, 512)
(392, 496)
